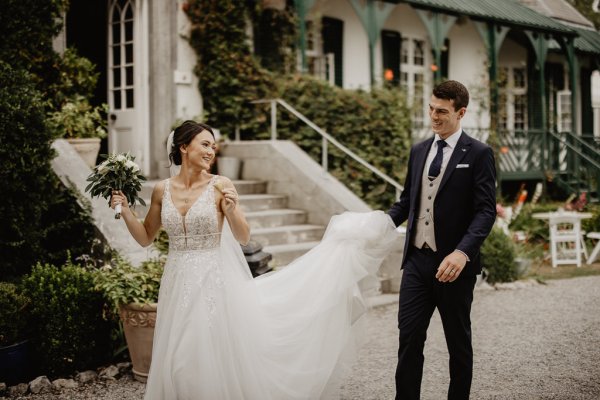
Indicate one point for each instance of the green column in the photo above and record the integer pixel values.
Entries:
(493, 36)
(302, 7)
(437, 25)
(540, 47)
(372, 18)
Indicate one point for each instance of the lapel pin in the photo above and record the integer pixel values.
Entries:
(463, 149)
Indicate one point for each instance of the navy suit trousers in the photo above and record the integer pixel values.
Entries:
(420, 294)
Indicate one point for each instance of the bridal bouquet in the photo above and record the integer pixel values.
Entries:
(117, 172)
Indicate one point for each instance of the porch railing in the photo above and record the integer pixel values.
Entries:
(326, 140)
(575, 161)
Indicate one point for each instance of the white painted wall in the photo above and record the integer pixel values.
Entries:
(356, 42)
(187, 94)
(467, 64)
(405, 20)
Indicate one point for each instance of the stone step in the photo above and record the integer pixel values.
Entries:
(277, 217)
(261, 202)
(283, 254)
(288, 234)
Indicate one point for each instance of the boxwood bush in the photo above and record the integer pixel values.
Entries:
(498, 257)
(69, 330)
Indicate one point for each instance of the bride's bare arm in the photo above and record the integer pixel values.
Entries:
(144, 233)
(229, 205)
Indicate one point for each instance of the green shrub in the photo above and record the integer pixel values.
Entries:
(375, 125)
(229, 76)
(69, 331)
(78, 119)
(122, 283)
(13, 314)
(26, 174)
(498, 257)
(592, 224)
(537, 230)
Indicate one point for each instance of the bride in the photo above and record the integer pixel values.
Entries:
(221, 334)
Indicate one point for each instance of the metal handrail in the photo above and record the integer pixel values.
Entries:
(326, 138)
(591, 161)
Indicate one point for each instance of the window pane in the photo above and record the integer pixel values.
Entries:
(117, 99)
(128, 11)
(116, 33)
(128, 31)
(419, 58)
(116, 51)
(129, 76)
(404, 52)
(519, 77)
(116, 78)
(520, 112)
(129, 53)
(129, 96)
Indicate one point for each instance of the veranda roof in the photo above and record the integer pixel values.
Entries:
(506, 12)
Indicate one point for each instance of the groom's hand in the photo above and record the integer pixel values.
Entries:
(451, 266)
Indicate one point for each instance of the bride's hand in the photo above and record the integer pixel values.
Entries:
(118, 198)
(230, 199)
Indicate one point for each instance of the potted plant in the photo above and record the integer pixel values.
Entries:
(132, 293)
(14, 358)
(82, 125)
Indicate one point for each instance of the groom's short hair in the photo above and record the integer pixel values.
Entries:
(453, 90)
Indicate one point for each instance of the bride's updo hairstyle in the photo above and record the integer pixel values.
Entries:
(183, 135)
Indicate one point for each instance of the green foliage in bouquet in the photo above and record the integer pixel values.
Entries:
(117, 172)
(121, 283)
(69, 329)
(13, 314)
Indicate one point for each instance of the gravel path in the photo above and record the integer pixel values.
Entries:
(540, 342)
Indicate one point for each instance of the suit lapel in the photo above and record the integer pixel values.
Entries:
(417, 177)
(462, 148)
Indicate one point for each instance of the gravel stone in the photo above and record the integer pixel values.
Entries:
(18, 390)
(110, 372)
(86, 376)
(41, 384)
(58, 384)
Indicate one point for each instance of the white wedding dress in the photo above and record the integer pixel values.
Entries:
(221, 335)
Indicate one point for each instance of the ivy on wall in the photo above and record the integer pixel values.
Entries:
(375, 124)
(230, 77)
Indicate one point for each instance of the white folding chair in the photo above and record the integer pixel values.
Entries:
(596, 251)
(565, 240)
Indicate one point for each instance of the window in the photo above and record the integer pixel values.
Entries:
(121, 73)
(512, 107)
(563, 105)
(413, 57)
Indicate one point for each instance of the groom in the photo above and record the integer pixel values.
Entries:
(449, 199)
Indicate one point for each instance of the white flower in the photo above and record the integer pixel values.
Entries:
(121, 158)
(131, 165)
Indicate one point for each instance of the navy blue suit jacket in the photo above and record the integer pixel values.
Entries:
(464, 209)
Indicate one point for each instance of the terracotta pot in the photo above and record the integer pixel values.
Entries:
(229, 167)
(138, 324)
(87, 148)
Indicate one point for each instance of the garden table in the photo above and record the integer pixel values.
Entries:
(575, 216)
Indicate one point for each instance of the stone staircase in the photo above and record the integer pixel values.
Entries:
(282, 231)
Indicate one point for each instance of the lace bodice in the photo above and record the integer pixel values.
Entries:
(199, 228)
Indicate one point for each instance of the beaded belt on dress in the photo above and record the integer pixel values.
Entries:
(194, 242)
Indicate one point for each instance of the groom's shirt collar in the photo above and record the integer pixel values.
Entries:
(451, 140)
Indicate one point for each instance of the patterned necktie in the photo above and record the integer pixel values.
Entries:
(436, 164)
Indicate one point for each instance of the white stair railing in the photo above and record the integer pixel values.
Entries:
(326, 139)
